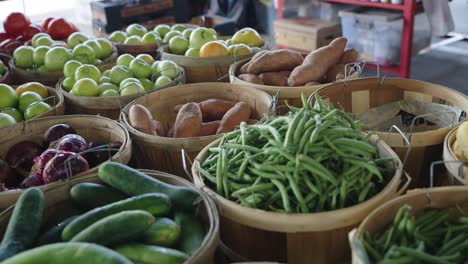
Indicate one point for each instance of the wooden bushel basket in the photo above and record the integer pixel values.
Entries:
(164, 153)
(456, 169)
(89, 127)
(57, 201)
(358, 96)
(6, 78)
(418, 199)
(259, 235)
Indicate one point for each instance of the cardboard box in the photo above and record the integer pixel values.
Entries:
(305, 34)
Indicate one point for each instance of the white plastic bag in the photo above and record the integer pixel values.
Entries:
(440, 16)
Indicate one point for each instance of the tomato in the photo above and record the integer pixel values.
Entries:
(3, 36)
(60, 29)
(45, 24)
(30, 31)
(15, 23)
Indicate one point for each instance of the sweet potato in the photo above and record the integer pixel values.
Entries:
(188, 121)
(257, 55)
(251, 78)
(312, 83)
(170, 132)
(141, 119)
(317, 63)
(214, 109)
(336, 72)
(209, 128)
(285, 73)
(274, 78)
(278, 60)
(239, 113)
(349, 56)
(252, 121)
(160, 129)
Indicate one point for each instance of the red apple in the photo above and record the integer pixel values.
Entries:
(30, 31)
(60, 29)
(10, 44)
(15, 23)
(3, 36)
(45, 24)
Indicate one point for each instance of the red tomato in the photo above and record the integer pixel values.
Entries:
(30, 31)
(60, 29)
(3, 36)
(15, 23)
(45, 24)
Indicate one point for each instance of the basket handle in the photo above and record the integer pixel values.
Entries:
(405, 186)
(405, 139)
(413, 122)
(185, 158)
(357, 247)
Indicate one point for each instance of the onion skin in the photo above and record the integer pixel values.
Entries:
(71, 142)
(40, 163)
(56, 169)
(56, 132)
(21, 156)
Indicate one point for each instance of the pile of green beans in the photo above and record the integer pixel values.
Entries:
(434, 236)
(313, 159)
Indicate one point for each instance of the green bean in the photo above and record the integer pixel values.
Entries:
(242, 147)
(219, 177)
(256, 188)
(224, 165)
(421, 256)
(284, 195)
(274, 168)
(267, 175)
(297, 193)
(315, 167)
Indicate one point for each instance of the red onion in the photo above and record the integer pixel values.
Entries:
(56, 169)
(30, 181)
(40, 163)
(71, 142)
(21, 156)
(56, 132)
(8, 176)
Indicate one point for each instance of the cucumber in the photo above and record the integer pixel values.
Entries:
(133, 182)
(192, 232)
(70, 253)
(149, 254)
(117, 228)
(154, 203)
(89, 195)
(164, 232)
(54, 234)
(24, 223)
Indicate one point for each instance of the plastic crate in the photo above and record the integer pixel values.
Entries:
(376, 34)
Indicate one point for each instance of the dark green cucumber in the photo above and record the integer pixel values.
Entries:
(117, 228)
(150, 254)
(192, 232)
(24, 223)
(154, 203)
(133, 182)
(54, 234)
(164, 232)
(89, 195)
(69, 253)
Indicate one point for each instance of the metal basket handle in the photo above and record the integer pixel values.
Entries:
(405, 139)
(185, 159)
(413, 122)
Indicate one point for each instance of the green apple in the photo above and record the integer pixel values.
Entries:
(106, 86)
(109, 92)
(43, 41)
(2, 68)
(201, 36)
(70, 67)
(178, 45)
(107, 47)
(97, 48)
(140, 68)
(6, 120)
(23, 57)
(151, 38)
(106, 73)
(13, 112)
(162, 81)
(147, 84)
(68, 84)
(36, 109)
(228, 42)
(132, 88)
(26, 99)
(193, 52)
(127, 81)
(178, 27)
(162, 30)
(86, 87)
(56, 58)
(169, 69)
(8, 97)
(84, 53)
(105, 79)
(170, 35)
(187, 32)
(87, 71)
(118, 36)
(42, 68)
(124, 60)
(97, 61)
(248, 36)
(39, 55)
(136, 30)
(120, 73)
(76, 38)
(133, 40)
(146, 57)
(38, 36)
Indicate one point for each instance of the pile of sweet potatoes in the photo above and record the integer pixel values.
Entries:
(289, 68)
(209, 117)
